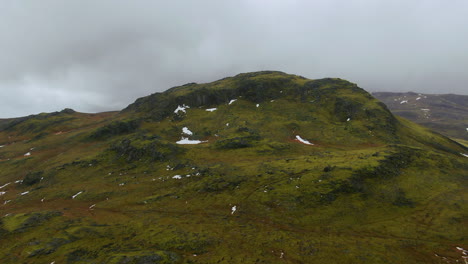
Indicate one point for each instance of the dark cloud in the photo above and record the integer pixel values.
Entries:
(101, 55)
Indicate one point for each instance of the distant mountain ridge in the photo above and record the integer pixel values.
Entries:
(444, 113)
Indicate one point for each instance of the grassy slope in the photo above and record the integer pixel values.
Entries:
(374, 189)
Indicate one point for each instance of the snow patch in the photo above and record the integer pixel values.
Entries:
(74, 196)
(178, 177)
(24, 193)
(19, 181)
(425, 109)
(187, 131)
(27, 154)
(303, 140)
(7, 201)
(232, 101)
(1, 146)
(227, 124)
(464, 251)
(181, 108)
(211, 109)
(258, 105)
(186, 141)
(2, 193)
(466, 155)
(5, 185)
(404, 102)
(233, 209)
(418, 98)
(349, 119)
(92, 206)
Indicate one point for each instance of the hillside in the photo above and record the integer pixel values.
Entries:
(444, 113)
(262, 167)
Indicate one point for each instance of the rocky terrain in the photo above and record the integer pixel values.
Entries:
(444, 113)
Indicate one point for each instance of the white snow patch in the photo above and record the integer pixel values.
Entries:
(27, 154)
(404, 102)
(227, 124)
(233, 209)
(7, 201)
(5, 185)
(232, 101)
(349, 119)
(466, 155)
(258, 105)
(2, 193)
(464, 251)
(74, 196)
(303, 140)
(181, 108)
(92, 206)
(1, 146)
(418, 98)
(186, 141)
(178, 177)
(19, 181)
(122, 184)
(24, 193)
(211, 109)
(187, 131)
(425, 109)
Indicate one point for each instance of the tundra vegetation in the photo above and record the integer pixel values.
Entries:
(216, 173)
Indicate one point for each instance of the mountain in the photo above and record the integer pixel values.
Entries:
(444, 113)
(262, 167)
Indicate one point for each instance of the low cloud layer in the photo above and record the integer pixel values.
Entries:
(97, 56)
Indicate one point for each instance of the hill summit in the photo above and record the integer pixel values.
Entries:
(262, 167)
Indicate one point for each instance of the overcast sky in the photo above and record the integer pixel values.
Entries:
(101, 55)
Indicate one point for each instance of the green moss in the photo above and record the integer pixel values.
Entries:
(115, 128)
(366, 187)
(21, 222)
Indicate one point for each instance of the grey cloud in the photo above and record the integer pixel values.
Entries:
(102, 55)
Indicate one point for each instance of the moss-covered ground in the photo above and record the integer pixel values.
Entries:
(117, 188)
